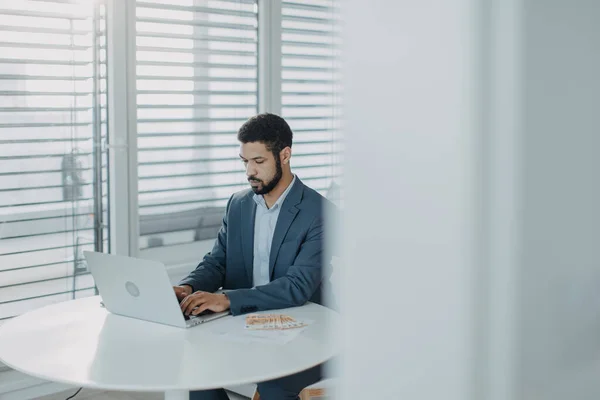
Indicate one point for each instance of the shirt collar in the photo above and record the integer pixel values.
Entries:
(260, 200)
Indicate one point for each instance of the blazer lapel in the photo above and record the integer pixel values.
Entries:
(248, 214)
(284, 221)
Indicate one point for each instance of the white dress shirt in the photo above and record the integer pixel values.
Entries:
(264, 228)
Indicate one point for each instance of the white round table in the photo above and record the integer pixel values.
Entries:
(78, 342)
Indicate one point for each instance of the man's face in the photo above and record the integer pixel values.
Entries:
(263, 169)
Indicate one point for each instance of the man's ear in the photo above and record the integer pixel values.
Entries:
(285, 155)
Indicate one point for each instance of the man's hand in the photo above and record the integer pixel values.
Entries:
(198, 302)
(182, 291)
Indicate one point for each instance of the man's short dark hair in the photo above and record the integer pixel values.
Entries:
(269, 129)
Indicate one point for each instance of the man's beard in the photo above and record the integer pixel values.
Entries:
(272, 183)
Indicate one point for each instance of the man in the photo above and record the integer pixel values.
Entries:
(268, 253)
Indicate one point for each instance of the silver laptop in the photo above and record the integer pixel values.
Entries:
(140, 289)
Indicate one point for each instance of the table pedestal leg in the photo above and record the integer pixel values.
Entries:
(177, 395)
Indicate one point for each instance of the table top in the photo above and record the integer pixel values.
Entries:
(80, 343)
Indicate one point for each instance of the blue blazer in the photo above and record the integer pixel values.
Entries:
(295, 261)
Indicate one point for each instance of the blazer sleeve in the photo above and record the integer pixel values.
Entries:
(209, 275)
(295, 288)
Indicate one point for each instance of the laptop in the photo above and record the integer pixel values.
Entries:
(140, 289)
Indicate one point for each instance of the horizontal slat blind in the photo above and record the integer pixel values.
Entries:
(52, 110)
(196, 84)
(311, 90)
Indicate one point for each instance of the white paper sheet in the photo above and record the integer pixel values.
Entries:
(234, 329)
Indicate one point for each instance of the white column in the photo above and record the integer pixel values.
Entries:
(269, 56)
(122, 127)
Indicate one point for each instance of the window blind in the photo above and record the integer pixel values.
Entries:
(52, 113)
(311, 90)
(196, 85)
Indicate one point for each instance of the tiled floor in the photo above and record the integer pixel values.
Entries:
(89, 394)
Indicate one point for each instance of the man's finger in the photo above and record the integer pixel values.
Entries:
(185, 302)
(195, 301)
(201, 308)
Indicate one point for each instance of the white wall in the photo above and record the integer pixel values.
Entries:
(471, 267)
(411, 187)
(559, 319)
